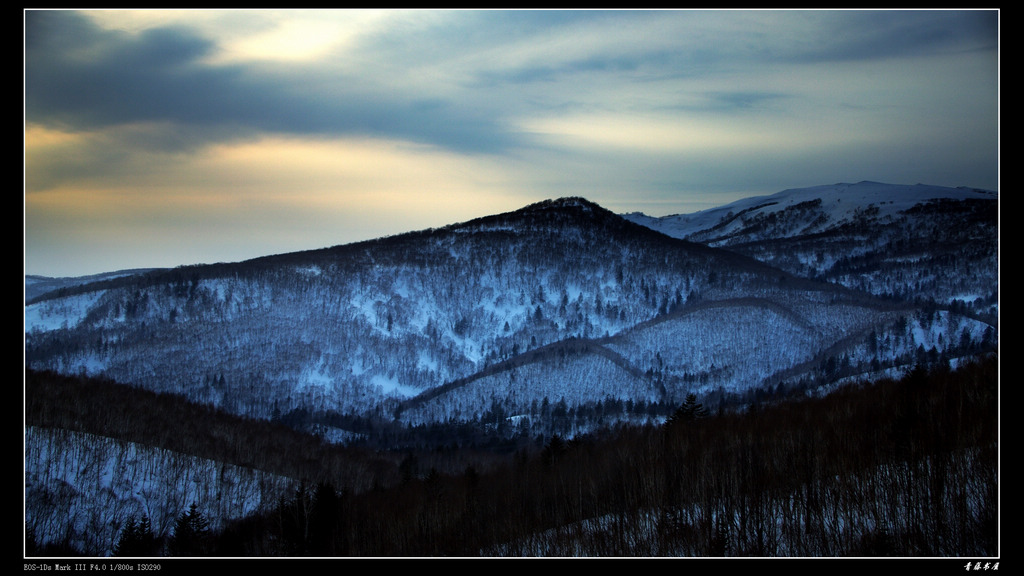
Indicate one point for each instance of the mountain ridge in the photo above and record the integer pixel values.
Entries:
(869, 192)
(524, 332)
(881, 233)
(584, 303)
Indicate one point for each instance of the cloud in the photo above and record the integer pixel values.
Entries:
(630, 108)
(875, 35)
(457, 80)
(263, 196)
(110, 77)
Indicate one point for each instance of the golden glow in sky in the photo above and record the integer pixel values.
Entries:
(171, 137)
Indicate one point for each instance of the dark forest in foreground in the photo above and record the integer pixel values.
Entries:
(903, 467)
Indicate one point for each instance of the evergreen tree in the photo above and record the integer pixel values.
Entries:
(689, 411)
(324, 520)
(408, 468)
(553, 450)
(191, 534)
(136, 539)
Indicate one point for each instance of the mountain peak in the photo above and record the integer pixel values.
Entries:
(563, 204)
(566, 202)
(556, 212)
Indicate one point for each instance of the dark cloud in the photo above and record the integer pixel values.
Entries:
(737, 102)
(699, 43)
(83, 77)
(79, 75)
(885, 34)
(723, 102)
(424, 81)
(58, 31)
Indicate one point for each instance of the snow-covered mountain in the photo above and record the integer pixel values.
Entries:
(561, 304)
(822, 207)
(908, 242)
(554, 319)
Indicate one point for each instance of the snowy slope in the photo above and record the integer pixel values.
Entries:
(554, 319)
(80, 488)
(840, 203)
(466, 309)
(908, 243)
(36, 286)
(353, 326)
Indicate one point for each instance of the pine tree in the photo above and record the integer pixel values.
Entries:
(191, 534)
(136, 539)
(553, 450)
(324, 520)
(689, 411)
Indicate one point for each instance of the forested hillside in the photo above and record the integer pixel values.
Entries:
(897, 467)
(914, 243)
(560, 302)
(556, 380)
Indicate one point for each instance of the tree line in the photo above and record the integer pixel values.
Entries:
(895, 467)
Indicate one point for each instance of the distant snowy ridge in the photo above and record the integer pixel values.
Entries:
(888, 198)
(900, 242)
(36, 285)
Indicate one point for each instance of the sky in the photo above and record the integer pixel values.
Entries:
(161, 138)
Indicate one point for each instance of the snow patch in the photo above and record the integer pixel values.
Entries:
(390, 386)
(59, 314)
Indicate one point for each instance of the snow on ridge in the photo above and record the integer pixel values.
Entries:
(888, 198)
(60, 314)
